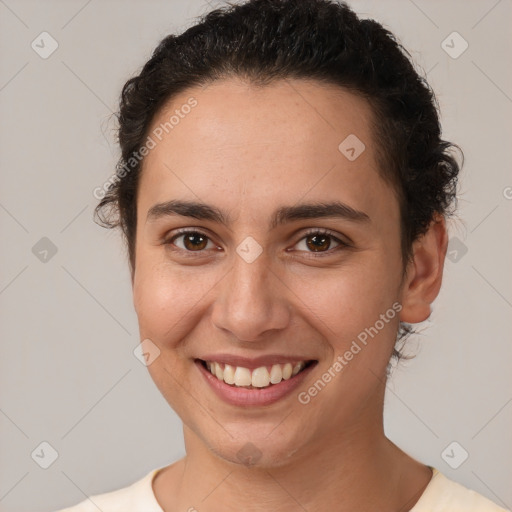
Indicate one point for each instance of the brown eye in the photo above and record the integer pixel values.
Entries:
(320, 242)
(192, 241)
(195, 241)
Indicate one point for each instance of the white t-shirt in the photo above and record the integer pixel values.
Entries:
(440, 495)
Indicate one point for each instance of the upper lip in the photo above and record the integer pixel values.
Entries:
(254, 362)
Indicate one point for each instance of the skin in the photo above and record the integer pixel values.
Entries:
(248, 150)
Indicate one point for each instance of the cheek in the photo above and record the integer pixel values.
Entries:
(168, 300)
(343, 303)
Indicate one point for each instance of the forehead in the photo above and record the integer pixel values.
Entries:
(250, 147)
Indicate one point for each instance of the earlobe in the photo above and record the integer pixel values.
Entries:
(424, 273)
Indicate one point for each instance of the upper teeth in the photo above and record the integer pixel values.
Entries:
(259, 377)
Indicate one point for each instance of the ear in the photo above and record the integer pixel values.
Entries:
(424, 273)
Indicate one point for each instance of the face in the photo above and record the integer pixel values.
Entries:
(294, 256)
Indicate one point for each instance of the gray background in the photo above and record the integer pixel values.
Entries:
(68, 330)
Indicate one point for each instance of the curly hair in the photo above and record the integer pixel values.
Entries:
(266, 40)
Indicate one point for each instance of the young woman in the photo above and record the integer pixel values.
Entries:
(283, 191)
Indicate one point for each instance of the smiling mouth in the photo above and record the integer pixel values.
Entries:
(258, 378)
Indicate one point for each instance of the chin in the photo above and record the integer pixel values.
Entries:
(255, 449)
(253, 457)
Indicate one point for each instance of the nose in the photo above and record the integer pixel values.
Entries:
(251, 300)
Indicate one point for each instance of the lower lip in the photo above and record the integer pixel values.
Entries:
(253, 397)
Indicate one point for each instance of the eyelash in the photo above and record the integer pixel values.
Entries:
(313, 231)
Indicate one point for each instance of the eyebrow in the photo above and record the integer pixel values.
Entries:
(282, 215)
